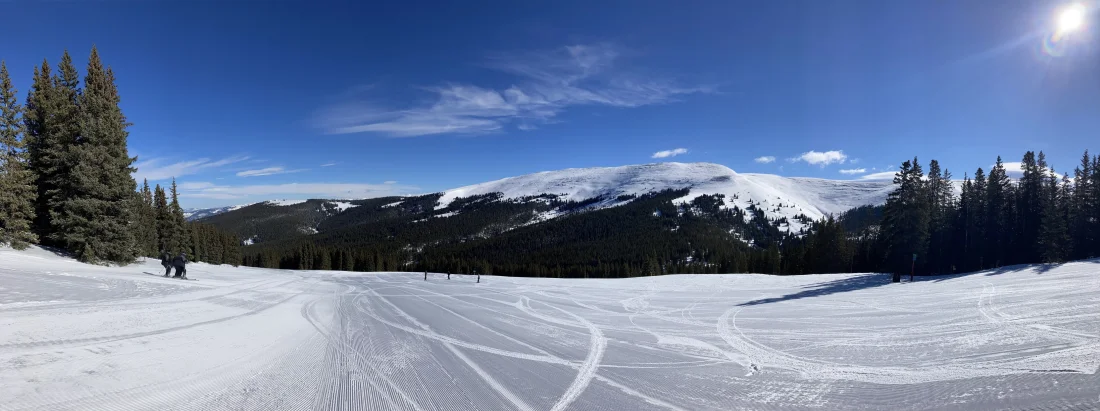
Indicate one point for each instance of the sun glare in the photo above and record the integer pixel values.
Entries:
(1071, 19)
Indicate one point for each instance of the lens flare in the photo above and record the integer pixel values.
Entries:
(1072, 18)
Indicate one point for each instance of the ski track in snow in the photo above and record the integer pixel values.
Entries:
(76, 337)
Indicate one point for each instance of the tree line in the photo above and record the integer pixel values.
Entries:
(933, 225)
(66, 175)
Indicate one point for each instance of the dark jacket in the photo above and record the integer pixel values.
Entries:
(165, 258)
(180, 261)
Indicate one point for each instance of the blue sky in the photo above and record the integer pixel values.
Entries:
(244, 101)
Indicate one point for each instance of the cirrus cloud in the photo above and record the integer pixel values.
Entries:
(549, 82)
(765, 159)
(269, 171)
(854, 171)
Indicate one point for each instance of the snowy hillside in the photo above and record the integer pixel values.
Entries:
(79, 337)
(777, 196)
(192, 214)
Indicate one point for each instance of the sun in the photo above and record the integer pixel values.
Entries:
(1072, 18)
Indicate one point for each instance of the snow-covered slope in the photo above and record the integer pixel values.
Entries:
(192, 214)
(82, 337)
(777, 196)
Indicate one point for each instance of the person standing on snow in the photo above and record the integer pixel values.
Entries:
(180, 262)
(166, 262)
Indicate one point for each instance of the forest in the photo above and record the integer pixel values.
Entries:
(66, 175)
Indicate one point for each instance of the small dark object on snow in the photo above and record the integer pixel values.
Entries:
(425, 276)
(448, 276)
(479, 278)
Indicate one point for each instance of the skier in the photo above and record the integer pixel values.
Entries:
(166, 262)
(181, 266)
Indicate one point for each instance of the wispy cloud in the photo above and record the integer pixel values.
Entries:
(156, 168)
(670, 153)
(821, 158)
(854, 171)
(207, 190)
(269, 171)
(549, 82)
(389, 182)
(328, 164)
(765, 159)
(885, 175)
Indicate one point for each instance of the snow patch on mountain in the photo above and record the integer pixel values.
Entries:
(341, 206)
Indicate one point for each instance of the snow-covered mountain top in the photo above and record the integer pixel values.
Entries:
(777, 196)
(200, 213)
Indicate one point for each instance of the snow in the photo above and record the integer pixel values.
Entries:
(813, 197)
(394, 204)
(200, 213)
(285, 202)
(342, 205)
(77, 336)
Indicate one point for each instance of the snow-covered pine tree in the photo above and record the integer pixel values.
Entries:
(17, 191)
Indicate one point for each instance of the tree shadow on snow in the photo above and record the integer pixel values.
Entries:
(1038, 268)
(842, 285)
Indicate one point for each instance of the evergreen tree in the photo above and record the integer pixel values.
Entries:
(43, 149)
(63, 133)
(147, 222)
(180, 237)
(1082, 225)
(941, 200)
(997, 222)
(166, 242)
(1030, 202)
(94, 214)
(17, 191)
(905, 219)
(1054, 238)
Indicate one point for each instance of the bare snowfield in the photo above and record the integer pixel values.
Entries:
(75, 336)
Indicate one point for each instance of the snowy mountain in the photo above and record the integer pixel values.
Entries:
(192, 214)
(481, 211)
(777, 196)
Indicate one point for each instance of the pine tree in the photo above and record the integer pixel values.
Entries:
(63, 134)
(1054, 234)
(163, 222)
(147, 222)
(997, 227)
(180, 238)
(94, 214)
(43, 151)
(941, 196)
(1082, 207)
(905, 219)
(17, 191)
(1030, 202)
